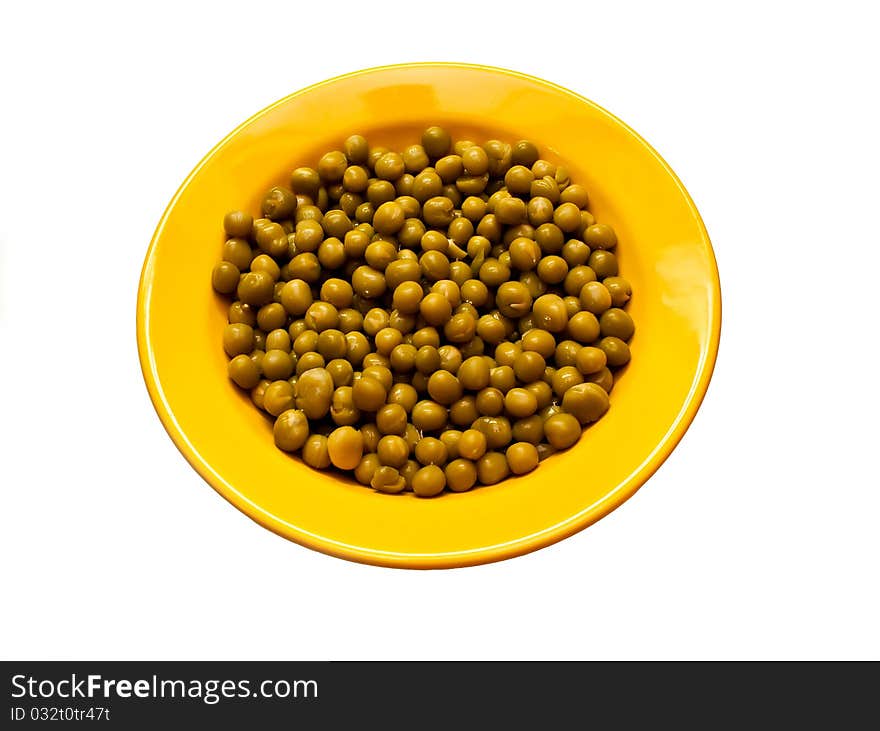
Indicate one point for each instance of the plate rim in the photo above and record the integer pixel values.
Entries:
(453, 559)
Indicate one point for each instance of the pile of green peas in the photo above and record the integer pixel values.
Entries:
(432, 319)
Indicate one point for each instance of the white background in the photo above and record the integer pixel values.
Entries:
(757, 539)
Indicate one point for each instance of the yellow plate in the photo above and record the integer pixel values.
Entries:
(664, 251)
